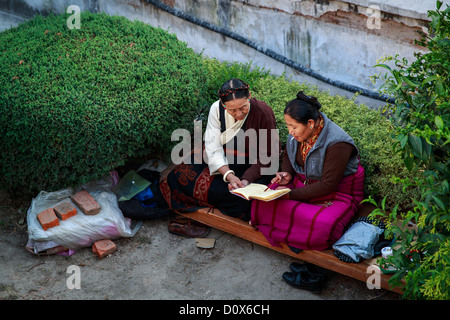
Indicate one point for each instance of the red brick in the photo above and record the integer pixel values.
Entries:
(48, 219)
(86, 202)
(65, 210)
(104, 247)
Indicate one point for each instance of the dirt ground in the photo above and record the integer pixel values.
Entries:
(155, 265)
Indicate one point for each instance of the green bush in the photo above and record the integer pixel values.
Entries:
(88, 100)
(371, 130)
(219, 72)
(421, 115)
(77, 103)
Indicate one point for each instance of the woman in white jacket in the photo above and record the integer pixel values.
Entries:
(235, 155)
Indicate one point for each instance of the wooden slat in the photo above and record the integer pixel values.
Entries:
(325, 258)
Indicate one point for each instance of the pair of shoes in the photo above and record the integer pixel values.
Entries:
(304, 280)
(187, 228)
(305, 276)
(307, 267)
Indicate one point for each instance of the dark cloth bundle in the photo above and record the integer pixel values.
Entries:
(149, 204)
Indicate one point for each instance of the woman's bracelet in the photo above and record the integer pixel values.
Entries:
(226, 174)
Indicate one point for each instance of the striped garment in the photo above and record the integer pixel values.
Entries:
(315, 225)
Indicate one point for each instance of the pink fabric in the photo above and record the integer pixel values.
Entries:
(315, 225)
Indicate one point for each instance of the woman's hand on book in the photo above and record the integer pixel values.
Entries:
(235, 182)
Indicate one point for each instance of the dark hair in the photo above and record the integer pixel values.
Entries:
(233, 89)
(303, 108)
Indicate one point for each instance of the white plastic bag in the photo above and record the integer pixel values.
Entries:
(80, 230)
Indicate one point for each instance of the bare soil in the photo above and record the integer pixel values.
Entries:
(156, 265)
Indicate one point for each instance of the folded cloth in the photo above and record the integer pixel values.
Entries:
(134, 209)
(358, 242)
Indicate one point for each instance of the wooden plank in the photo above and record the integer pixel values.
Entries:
(325, 258)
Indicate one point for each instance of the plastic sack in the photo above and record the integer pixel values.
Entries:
(80, 230)
(358, 241)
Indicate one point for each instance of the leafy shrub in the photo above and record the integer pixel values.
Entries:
(368, 127)
(421, 115)
(75, 104)
(219, 72)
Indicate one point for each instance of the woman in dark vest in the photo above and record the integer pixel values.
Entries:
(321, 166)
(232, 161)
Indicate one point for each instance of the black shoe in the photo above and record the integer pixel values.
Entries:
(304, 280)
(307, 267)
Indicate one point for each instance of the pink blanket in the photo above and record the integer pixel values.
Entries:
(314, 225)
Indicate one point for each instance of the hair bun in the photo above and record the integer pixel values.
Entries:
(301, 96)
(311, 100)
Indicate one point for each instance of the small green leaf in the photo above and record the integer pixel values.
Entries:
(439, 202)
(411, 83)
(439, 122)
(429, 79)
(382, 65)
(409, 162)
(403, 140)
(416, 145)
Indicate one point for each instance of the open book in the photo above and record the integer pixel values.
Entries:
(256, 191)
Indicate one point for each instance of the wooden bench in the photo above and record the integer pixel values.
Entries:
(325, 259)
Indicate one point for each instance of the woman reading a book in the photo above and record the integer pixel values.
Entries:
(321, 166)
(237, 124)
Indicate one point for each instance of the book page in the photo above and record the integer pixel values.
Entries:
(251, 189)
(256, 191)
(270, 195)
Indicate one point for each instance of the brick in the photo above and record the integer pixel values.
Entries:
(104, 247)
(86, 202)
(48, 219)
(65, 210)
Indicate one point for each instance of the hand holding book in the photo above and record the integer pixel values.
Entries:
(257, 191)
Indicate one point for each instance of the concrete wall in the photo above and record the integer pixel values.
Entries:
(340, 39)
(331, 37)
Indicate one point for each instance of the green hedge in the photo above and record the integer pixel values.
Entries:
(371, 131)
(75, 104)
